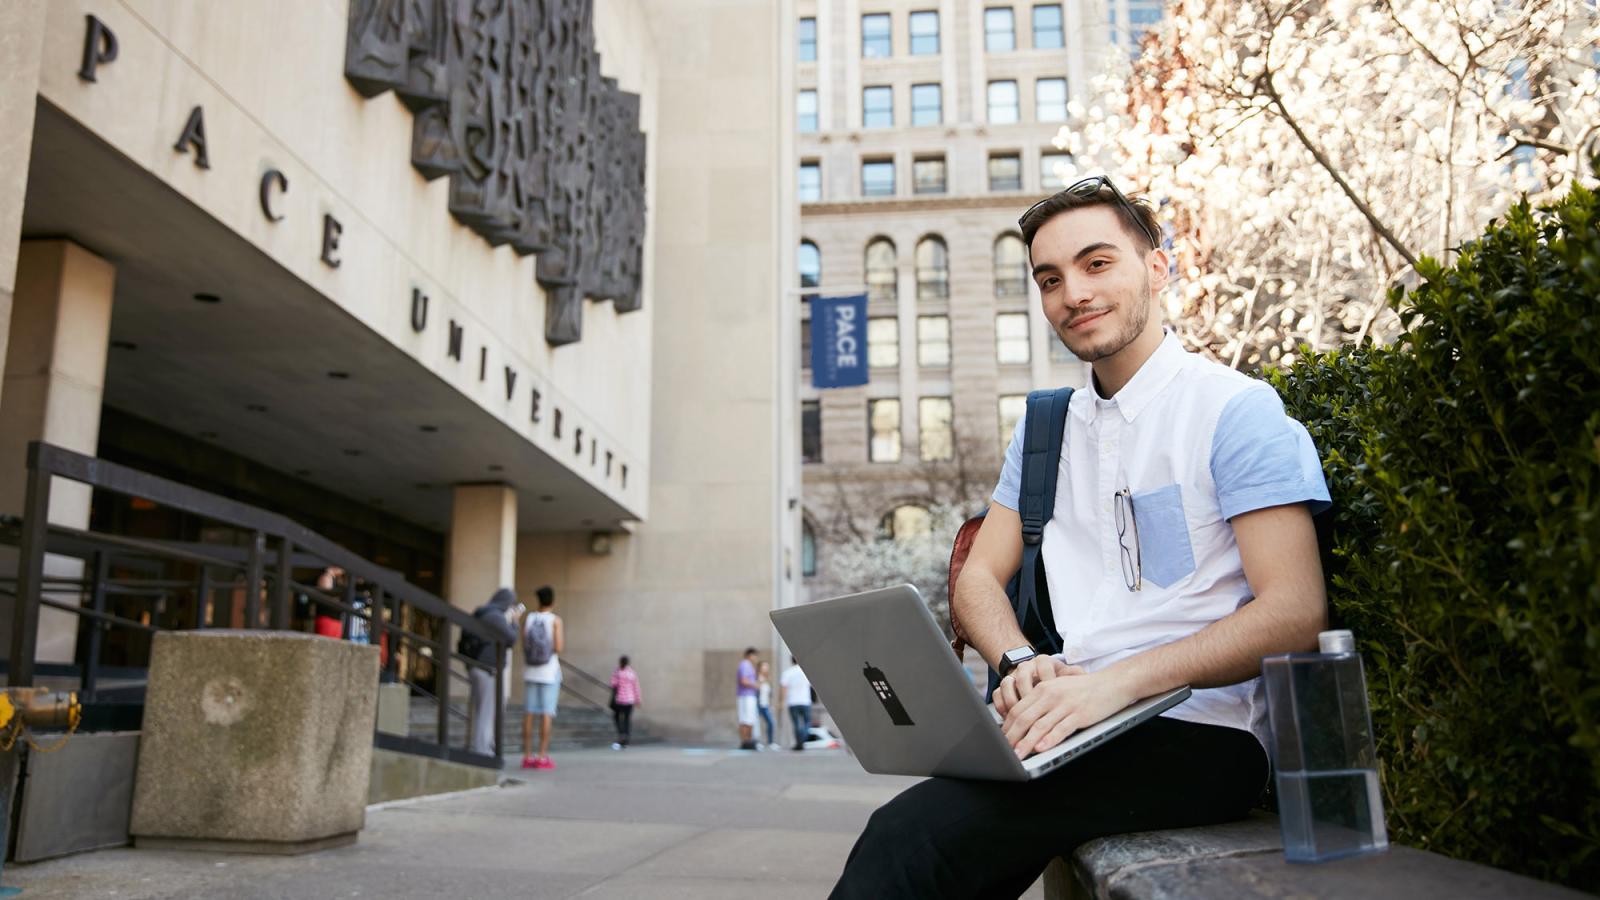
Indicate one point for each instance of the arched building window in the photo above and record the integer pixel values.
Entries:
(933, 269)
(809, 262)
(1010, 266)
(905, 522)
(808, 550)
(881, 270)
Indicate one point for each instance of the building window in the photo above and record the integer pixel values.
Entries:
(877, 178)
(926, 108)
(881, 274)
(1011, 338)
(810, 185)
(905, 523)
(1050, 100)
(1005, 172)
(808, 39)
(808, 550)
(1053, 170)
(883, 429)
(924, 33)
(1010, 267)
(806, 110)
(877, 107)
(1059, 352)
(936, 441)
(927, 175)
(933, 341)
(811, 431)
(1003, 104)
(933, 269)
(1047, 34)
(1012, 408)
(875, 41)
(999, 29)
(1142, 16)
(883, 342)
(809, 262)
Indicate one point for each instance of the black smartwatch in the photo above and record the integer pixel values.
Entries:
(1014, 657)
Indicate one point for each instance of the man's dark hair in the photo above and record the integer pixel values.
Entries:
(1138, 219)
(749, 651)
(547, 597)
(622, 663)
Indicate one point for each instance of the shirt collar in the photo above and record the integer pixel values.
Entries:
(1143, 388)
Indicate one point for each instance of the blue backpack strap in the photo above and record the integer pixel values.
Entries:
(1042, 437)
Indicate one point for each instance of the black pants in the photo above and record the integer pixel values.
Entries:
(622, 714)
(954, 838)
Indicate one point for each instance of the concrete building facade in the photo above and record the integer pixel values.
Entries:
(925, 129)
(221, 261)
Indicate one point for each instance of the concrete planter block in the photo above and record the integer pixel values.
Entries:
(255, 741)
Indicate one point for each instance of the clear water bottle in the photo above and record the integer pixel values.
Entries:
(1329, 804)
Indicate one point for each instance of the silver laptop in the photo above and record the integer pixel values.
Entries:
(904, 702)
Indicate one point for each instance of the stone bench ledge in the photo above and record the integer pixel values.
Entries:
(1245, 860)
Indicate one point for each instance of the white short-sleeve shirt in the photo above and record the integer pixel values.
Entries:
(796, 687)
(1195, 443)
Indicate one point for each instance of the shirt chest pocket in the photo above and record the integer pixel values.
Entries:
(1166, 555)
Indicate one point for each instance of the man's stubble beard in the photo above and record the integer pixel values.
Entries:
(1138, 319)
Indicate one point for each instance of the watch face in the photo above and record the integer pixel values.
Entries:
(1017, 657)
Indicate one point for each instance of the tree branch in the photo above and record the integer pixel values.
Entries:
(1521, 141)
(1322, 160)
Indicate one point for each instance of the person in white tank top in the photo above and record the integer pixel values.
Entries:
(541, 683)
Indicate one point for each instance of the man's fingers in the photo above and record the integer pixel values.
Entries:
(1005, 695)
(1046, 733)
(1025, 676)
(1043, 719)
(1019, 720)
(1049, 667)
(1023, 714)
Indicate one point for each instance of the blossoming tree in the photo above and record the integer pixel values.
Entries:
(1305, 154)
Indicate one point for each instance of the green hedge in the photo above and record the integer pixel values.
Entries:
(1464, 460)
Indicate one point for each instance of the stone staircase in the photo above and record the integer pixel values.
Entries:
(578, 725)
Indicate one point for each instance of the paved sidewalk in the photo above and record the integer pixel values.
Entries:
(650, 822)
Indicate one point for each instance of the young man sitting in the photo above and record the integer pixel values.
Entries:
(1180, 551)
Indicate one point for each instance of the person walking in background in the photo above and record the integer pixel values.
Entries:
(331, 584)
(764, 702)
(624, 697)
(794, 692)
(543, 639)
(745, 699)
(497, 615)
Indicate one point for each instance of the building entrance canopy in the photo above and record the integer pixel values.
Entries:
(212, 338)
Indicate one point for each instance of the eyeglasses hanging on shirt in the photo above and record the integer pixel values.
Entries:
(1128, 530)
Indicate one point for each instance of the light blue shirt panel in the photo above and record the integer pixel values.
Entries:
(1008, 492)
(1260, 457)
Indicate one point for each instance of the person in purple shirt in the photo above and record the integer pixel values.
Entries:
(746, 700)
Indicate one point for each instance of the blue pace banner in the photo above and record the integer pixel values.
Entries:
(839, 341)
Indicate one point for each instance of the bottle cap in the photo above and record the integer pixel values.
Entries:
(1337, 641)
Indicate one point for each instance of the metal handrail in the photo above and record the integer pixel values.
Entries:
(276, 545)
(565, 665)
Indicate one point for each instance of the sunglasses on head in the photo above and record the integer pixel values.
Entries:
(1092, 186)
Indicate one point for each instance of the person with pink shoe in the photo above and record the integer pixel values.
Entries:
(543, 638)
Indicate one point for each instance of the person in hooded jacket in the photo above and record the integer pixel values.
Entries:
(499, 616)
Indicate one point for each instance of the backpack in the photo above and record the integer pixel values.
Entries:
(469, 645)
(1043, 430)
(538, 644)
